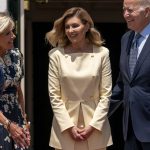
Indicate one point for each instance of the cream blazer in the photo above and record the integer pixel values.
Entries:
(78, 80)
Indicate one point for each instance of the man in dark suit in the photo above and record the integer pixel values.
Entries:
(133, 84)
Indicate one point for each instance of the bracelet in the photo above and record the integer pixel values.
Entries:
(7, 124)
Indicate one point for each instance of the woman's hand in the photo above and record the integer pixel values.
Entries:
(26, 128)
(75, 133)
(86, 132)
(20, 135)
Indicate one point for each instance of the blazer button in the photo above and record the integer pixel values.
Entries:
(131, 84)
(92, 56)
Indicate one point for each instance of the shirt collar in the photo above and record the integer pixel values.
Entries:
(146, 31)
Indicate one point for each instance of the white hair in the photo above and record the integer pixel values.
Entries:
(5, 22)
(144, 3)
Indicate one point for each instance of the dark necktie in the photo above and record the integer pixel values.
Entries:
(134, 53)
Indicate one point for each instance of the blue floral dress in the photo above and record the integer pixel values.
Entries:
(11, 73)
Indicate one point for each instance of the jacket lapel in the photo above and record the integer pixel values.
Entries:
(144, 53)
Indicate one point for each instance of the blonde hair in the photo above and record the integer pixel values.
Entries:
(5, 22)
(57, 36)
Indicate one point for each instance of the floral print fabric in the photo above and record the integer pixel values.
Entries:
(11, 73)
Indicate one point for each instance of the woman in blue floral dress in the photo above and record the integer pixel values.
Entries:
(13, 132)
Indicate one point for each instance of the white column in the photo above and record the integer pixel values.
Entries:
(3, 5)
(22, 38)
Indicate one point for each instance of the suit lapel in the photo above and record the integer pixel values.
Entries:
(144, 53)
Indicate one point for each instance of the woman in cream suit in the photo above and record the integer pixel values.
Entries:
(79, 82)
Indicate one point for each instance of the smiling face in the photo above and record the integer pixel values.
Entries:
(6, 39)
(135, 15)
(75, 30)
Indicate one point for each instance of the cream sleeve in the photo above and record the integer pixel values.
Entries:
(105, 88)
(54, 87)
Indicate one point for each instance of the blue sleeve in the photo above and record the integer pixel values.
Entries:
(117, 96)
(117, 93)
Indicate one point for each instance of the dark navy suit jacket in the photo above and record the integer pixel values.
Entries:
(135, 90)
